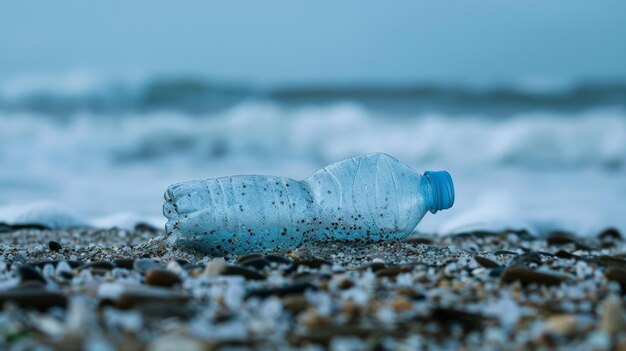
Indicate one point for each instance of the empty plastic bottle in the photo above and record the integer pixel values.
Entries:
(366, 198)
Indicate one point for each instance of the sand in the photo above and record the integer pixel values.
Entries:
(106, 289)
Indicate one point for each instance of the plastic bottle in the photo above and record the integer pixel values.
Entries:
(366, 198)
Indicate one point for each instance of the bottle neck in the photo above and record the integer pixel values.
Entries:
(441, 190)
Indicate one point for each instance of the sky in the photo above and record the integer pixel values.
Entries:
(270, 42)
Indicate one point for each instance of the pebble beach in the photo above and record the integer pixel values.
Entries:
(114, 289)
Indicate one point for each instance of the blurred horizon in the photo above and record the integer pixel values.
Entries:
(282, 43)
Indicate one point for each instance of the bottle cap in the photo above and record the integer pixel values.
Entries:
(443, 190)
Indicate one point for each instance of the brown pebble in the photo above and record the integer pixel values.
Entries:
(242, 271)
(313, 320)
(350, 308)
(401, 304)
(486, 262)
(290, 289)
(561, 324)
(528, 276)
(345, 283)
(295, 303)
(162, 277)
(35, 298)
(249, 257)
(314, 263)
(149, 295)
(392, 271)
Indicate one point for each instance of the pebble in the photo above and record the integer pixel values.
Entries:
(561, 324)
(215, 266)
(528, 276)
(291, 289)
(248, 257)
(36, 298)
(486, 262)
(345, 283)
(277, 259)
(54, 246)
(28, 273)
(126, 263)
(311, 263)
(530, 259)
(401, 304)
(560, 238)
(567, 255)
(258, 263)
(149, 295)
(162, 277)
(295, 303)
(611, 234)
(392, 271)
(242, 271)
(311, 319)
(505, 252)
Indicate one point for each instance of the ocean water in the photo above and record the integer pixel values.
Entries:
(521, 158)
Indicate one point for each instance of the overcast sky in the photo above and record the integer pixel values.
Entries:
(338, 41)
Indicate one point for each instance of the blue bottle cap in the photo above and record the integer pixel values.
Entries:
(443, 190)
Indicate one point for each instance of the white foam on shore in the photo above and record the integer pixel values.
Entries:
(534, 171)
(46, 213)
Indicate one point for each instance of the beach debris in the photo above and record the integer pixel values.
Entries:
(244, 214)
(162, 277)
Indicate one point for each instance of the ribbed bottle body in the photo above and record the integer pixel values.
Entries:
(367, 198)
